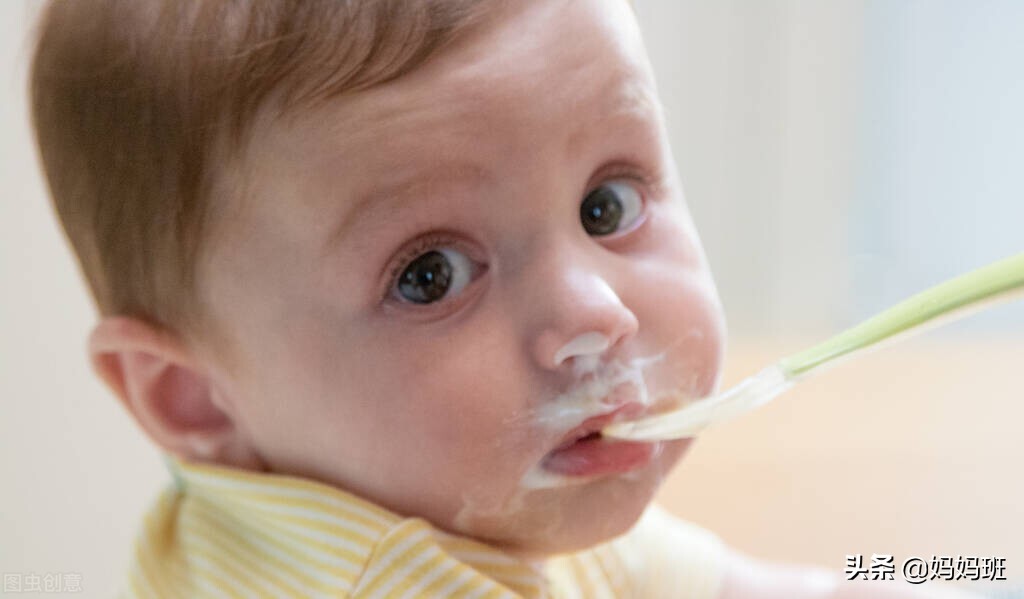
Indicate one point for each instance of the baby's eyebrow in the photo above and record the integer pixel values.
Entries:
(396, 196)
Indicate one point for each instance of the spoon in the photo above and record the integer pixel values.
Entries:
(966, 294)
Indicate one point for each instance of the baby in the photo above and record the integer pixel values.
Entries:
(374, 274)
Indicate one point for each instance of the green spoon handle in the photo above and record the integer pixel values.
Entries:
(994, 282)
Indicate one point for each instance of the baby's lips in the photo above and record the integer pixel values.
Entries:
(594, 424)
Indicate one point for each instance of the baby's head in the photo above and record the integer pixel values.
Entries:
(412, 250)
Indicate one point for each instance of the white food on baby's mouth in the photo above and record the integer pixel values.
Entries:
(586, 400)
(563, 413)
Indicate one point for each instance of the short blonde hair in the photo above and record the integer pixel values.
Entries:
(135, 104)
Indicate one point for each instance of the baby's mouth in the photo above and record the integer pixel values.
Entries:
(590, 429)
(584, 451)
(616, 393)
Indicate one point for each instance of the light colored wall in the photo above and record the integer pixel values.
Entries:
(761, 107)
(940, 187)
(75, 474)
(839, 156)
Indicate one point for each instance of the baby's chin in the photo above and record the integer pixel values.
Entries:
(539, 523)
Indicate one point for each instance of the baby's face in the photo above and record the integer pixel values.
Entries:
(434, 288)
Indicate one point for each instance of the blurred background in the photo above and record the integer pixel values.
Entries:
(837, 157)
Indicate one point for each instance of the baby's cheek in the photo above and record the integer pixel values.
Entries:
(472, 429)
(680, 316)
(671, 236)
(477, 393)
(703, 327)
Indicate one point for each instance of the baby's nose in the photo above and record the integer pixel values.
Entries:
(576, 313)
(585, 351)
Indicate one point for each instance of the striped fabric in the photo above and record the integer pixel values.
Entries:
(221, 532)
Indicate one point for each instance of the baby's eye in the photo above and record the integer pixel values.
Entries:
(611, 207)
(433, 275)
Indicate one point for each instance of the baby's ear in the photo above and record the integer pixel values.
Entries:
(169, 393)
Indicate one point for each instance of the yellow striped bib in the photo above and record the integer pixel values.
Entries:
(222, 532)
